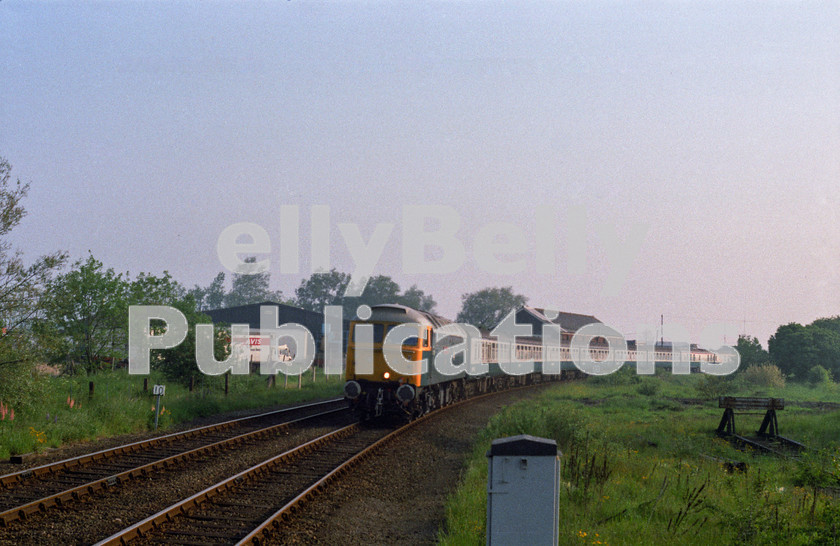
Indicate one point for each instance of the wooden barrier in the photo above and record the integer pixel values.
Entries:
(769, 426)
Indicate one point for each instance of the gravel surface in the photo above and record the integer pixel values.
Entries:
(230, 515)
(397, 496)
(96, 517)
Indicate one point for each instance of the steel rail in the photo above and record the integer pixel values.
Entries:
(284, 514)
(20, 512)
(141, 527)
(16, 477)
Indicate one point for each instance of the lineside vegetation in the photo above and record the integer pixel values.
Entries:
(119, 405)
(641, 465)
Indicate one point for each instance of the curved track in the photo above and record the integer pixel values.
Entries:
(244, 508)
(39, 488)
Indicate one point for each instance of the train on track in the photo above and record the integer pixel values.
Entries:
(375, 387)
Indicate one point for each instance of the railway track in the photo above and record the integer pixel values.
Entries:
(244, 508)
(779, 446)
(37, 489)
(229, 510)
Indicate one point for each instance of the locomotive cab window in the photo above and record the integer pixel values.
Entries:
(379, 331)
(414, 341)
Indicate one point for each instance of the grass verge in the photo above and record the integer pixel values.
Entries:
(642, 466)
(64, 412)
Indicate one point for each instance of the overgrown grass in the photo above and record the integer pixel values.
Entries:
(710, 387)
(640, 465)
(63, 411)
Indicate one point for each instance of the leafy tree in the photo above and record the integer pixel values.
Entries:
(148, 289)
(751, 352)
(826, 349)
(327, 288)
(487, 307)
(417, 299)
(86, 315)
(211, 297)
(379, 289)
(786, 345)
(321, 289)
(21, 292)
(198, 295)
(252, 288)
(796, 348)
(177, 363)
(214, 295)
(832, 323)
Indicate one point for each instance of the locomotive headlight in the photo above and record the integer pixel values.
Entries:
(405, 393)
(352, 389)
(386, 375)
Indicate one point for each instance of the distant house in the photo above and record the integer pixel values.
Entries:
(250, 315)
(569, 322)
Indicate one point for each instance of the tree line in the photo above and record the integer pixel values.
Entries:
(77, 318)
(804, 353)
(320, 289)
(82, 324)
(75, 315)
(83, 318)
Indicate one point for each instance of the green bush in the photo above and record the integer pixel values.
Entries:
(649, 387)
(764, 375)
(819, 376)
(624, 376)
(21, 387)
(712, 386)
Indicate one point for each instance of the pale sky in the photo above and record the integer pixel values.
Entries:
(713, 128)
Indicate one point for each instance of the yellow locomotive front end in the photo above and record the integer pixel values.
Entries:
(373, 387)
